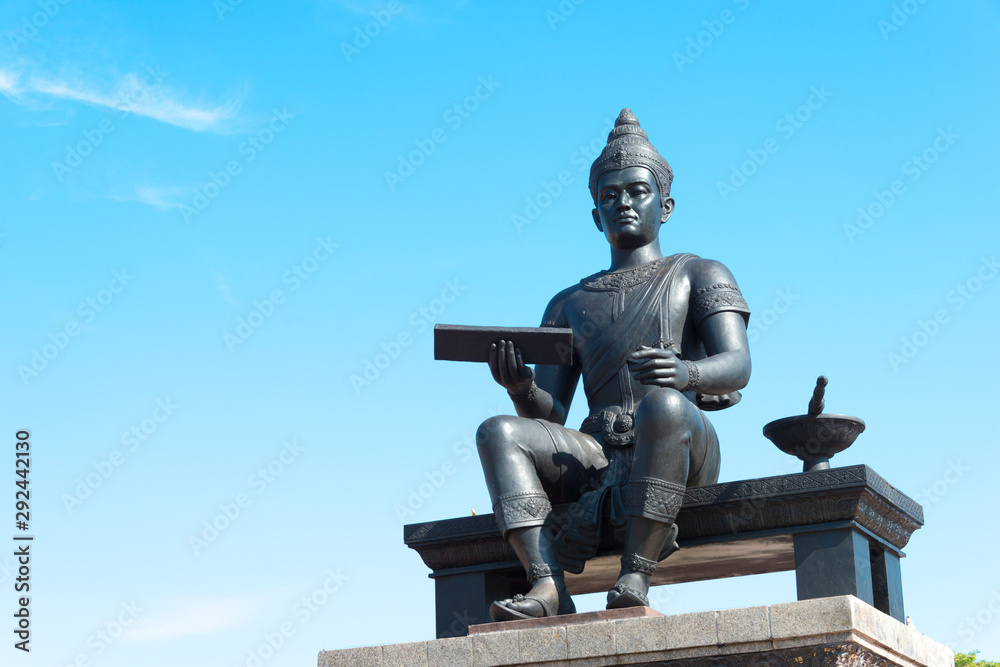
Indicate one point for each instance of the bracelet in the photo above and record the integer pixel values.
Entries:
(526, 397)
(692, 382)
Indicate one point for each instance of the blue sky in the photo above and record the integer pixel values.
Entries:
(218, 215)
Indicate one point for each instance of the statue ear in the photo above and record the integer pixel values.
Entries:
(597, 220)
(667, 209)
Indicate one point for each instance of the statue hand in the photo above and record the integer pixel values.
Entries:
(662, 368)
(508, 368)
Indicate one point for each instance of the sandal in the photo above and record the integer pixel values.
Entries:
(623, 595)
(502, 611)
(627, 597)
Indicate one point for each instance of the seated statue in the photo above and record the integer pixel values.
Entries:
(657, 340)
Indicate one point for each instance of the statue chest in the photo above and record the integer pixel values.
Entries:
(592, 313)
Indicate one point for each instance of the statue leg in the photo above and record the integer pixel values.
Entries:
(674, 445)
(524, 468)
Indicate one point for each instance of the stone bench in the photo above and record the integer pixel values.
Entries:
(841, 530)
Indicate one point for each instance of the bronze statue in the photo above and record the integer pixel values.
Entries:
(657, 340)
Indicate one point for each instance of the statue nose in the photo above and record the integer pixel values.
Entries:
(624, 203)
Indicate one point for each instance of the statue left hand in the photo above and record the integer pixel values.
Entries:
(662, 368)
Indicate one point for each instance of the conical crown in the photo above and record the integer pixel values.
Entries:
(628, 146)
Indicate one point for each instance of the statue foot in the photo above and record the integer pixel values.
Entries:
(630, 591)
(545, 598)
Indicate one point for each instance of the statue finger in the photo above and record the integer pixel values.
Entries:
(522, 370)
(658, 374)
(512, 359)
(505, 378)
(502, 353)
(646, 365)
(494, 366)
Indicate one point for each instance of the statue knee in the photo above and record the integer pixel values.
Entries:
(664, 410)
(497, 435)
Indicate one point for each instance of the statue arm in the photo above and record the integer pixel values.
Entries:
(546, 392)
(556, 384)
(719, 315)
(726, 369)
(721, 321)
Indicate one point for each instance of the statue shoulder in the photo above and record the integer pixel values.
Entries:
(706, 274)
(555, 312)
(713, 290)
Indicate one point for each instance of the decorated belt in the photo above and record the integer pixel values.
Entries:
(616, 427)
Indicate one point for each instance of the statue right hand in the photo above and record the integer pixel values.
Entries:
(508, 368)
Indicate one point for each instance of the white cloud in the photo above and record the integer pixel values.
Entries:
(144, 94)
(223, 286)
(193, 616)
(8, 81)
(162, 198)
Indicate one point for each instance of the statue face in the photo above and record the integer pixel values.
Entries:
(629, 209)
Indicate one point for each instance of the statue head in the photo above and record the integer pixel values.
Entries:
(630, 185)
(628, 146)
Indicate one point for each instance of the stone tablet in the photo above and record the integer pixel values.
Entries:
(538, 345)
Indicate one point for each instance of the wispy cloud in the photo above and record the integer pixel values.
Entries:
(194, 616)
(144, 94)
(438, 12)
(8, 81)
(162, 198)
(223, 286)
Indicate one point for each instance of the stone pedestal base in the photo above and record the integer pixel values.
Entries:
(827, 632)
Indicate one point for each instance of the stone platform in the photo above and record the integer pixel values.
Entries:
(841, 530)
(828, 632)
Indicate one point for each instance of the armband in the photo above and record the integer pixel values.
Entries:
(716, 299)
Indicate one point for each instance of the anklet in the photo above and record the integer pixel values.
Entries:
(537, 571)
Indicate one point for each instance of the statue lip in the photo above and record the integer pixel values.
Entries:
(627, 218)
